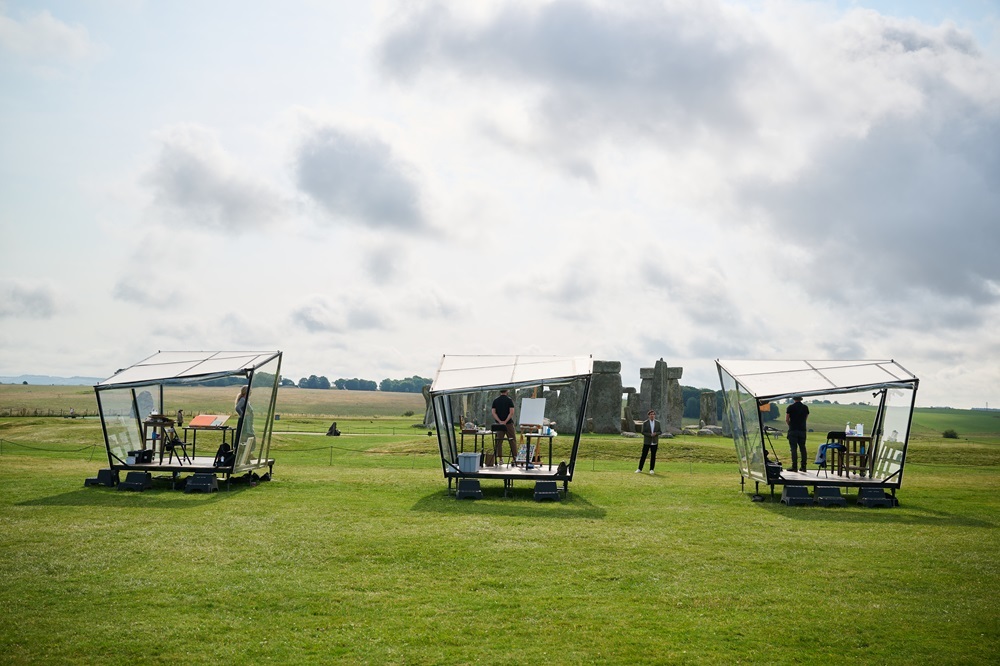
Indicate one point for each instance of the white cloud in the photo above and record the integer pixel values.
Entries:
(26, 300)
(42, 37)
(861, 141)
(197, 184)
(680, 179)
(339, 314)
(137, 290)
(358, 178)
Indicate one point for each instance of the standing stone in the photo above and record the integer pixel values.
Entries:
(645, 390)
(708, 408)
(675, 398)
(660, 390)
(628, 418)
(659, 397)
(562, 407)
(605, 404)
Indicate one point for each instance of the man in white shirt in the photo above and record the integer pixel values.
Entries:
(651, 431)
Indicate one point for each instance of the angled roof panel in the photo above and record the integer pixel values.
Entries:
(466, 373)
(164, 366)
(777, 379)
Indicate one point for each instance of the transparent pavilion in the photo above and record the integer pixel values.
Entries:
(127, 400)
(462, 381)
(884, 391)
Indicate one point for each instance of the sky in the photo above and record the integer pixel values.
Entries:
(369, 186)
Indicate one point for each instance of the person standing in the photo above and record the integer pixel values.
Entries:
(503, 415)
(796, 415)
(651, 431)
(245, 411)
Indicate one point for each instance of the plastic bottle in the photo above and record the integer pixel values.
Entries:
(847, 428)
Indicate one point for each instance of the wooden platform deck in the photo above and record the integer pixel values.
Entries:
(819, 478)
(197, 465)
(510, 473)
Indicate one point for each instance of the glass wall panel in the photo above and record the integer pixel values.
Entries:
(246, 445)
(120, 423)
(754, 445)
(263, 391)
(443, 420)
(890, 451)
(732, 416)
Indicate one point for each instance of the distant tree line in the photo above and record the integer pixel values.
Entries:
(314, 382)
(356, 384)
(412, 384)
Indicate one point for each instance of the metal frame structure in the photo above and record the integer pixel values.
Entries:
(458, 375)
(126, 399)
(747, 386)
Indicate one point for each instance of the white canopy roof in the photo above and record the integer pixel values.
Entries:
(167, 365)
(781, 379)
(458, 374)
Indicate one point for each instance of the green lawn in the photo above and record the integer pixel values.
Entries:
(355, 553)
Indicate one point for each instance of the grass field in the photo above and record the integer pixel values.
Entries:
(355, 553)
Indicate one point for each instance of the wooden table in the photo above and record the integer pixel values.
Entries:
(537, 435)
(476, 435)
(157, 424)
(857, 453)
(196, 428)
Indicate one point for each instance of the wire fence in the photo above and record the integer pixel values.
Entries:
(591, 455)
(71, 413)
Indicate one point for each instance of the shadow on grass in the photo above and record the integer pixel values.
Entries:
(160, 496)
(519, 502)
(907, 513)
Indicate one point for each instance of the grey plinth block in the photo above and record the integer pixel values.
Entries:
(546, 490)
(105, 477)
(201, 483)
(876, 497)
(829, 496)
(138, 481)
(469, 489)
(795, 496)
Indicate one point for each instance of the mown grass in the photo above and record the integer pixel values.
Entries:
(356, 553)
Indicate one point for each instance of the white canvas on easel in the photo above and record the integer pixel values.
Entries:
(532, 411)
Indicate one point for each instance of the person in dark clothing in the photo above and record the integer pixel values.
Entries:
(795, 417)
(651, 431)
(503, 415)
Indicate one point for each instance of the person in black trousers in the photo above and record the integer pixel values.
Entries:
(795, 417)
(651, 431)
(503, 417)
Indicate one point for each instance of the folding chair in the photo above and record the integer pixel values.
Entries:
(171, 443)
(833, 447)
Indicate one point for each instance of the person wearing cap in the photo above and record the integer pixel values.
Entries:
(651, 431)
(796, 415)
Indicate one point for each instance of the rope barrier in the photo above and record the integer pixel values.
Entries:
(595, 455)
(38, 448)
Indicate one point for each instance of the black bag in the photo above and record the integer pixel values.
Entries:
(224, 457)
(772, 468)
